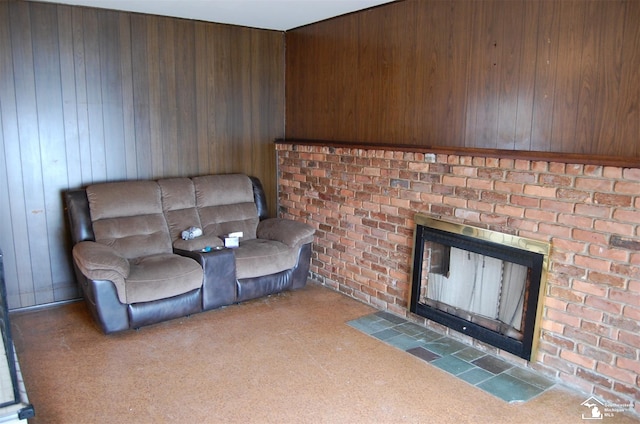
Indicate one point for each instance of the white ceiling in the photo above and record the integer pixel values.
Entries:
(280, 15)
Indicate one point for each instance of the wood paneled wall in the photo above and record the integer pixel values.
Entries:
(90, 95)
(557, 76)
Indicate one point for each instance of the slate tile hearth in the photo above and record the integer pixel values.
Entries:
(487, 372)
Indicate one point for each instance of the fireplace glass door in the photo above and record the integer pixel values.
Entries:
(476, 287)
(479, 282)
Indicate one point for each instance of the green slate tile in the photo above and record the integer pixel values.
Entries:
(492, 364)
(386, 334)
(390, 317)
(530, 377)
(423, 354)
(410, 329)
(428, 335)
(444, 346)
(452, 365)
(404, 342)
(509, 388)
(475, 375)
(470, 354)
(368, 325)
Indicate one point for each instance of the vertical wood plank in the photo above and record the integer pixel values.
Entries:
(376, 67)
(186, 95)
(341, 105)
(111, 94)
(259, 83)
(201, 95)
(243, 125)
(526, 84)
(68, 88)
(443, 67)
(82, 102)
(408, 83)
(609, 62)
(267, 106)
(457, 55)
(128, 109)
(48, 263)
(141, 96)
(219, 97)
(155, 96)
(546, 66)
(64, 285)
(6, 233)
(13, 219)
(27, 214)
(588, 90)
(572, 20)
(167, 108)
(95, 105)
(628, 111)
(428, 57)
(297, 77)
(483, 83)
(510, 53)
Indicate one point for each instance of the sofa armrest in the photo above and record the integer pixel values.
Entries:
(292, 233)
(92, 257)
(97, 261)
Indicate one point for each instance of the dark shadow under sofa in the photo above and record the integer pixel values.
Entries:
(135, 269)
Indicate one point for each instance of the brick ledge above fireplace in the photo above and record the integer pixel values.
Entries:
(362, 203)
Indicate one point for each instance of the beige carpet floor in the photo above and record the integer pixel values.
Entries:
(288, 358)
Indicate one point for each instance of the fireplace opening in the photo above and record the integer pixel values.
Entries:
(481, 283)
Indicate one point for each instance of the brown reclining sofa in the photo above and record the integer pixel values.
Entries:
(135, 269)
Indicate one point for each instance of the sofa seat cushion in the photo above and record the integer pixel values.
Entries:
(161, 276)
(258, 257)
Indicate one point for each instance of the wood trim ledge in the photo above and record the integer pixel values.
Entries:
(572, 158)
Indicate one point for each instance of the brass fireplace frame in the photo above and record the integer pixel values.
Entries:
(492, 237)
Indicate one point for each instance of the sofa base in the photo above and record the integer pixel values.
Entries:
(300, 273)
(146, 313)
(221, 288)
(102, 300)
(112, 316)
(294, 278)
(252, 288)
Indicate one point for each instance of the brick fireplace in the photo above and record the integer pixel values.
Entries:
(362, 201)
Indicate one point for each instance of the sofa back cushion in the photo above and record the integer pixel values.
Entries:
(225, 204)
(179, 205)
(128, 217)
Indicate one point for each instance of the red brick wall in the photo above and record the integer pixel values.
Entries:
(362, 203)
